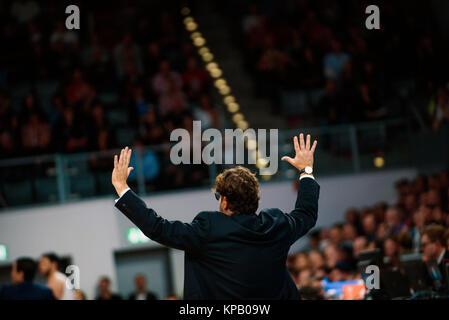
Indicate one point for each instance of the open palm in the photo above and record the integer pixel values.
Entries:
(304, 153)
(121, 170)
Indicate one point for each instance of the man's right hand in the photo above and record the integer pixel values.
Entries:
(121, 171)
(304, 153)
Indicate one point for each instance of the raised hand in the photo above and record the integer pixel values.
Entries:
(121, 170)
(304, 153)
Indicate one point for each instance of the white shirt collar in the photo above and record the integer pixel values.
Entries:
(441, 256)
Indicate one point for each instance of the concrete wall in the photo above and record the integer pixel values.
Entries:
(90, 231)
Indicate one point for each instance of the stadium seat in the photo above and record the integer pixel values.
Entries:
(45, 92)
(46, 189)
(294, 102)
(316, 95)
(18, 94)
(103, 183)
(18, 193)
(82, 186)
(108, 98)
(117, 117)
(125, 136)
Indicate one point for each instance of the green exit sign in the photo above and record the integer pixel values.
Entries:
(134, 236)
(3, 252)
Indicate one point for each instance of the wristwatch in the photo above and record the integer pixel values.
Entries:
(306, 170)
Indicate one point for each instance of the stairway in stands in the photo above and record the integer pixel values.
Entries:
(214, 28)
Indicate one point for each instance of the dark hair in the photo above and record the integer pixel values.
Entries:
(241, 189)
(435, 233)
(51, 256)
(28, 267)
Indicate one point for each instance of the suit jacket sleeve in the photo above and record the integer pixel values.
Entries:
(175, 234)
(304, 216)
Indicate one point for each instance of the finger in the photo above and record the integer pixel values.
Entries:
(314, 146)
(288, 159)
(302, 145)
(125, 158)
(129, 156)
(115, 161)
(120, 159)
(130, 169)
(308, 142)
(295, 142)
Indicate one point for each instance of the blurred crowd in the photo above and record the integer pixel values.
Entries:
(417, 222)
(318, 61)
(130, 75)
(57, 286)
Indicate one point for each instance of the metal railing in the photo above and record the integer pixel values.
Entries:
(59, 178)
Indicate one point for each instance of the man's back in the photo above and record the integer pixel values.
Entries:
(241, 256)
(25, 291)
(232, 254)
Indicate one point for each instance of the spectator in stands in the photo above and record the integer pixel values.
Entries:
(349, 234)
(369, 227)
(141, 293)
(316, 260)
(22, 288)
(331, 256)
(360, 244)
(78, 90)
(104, 290)
(394, 221)
(391, 249)
(172, 101)
(335, 235)
(205, 113)
(334, 61)
(142, 105)
(195, 79)
(30, 106)
(127, 54)
(434, 250)
(166, 80)
(433, 244)
(36, 135)
(70, 133)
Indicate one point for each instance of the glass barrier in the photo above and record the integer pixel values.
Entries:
(28, 181)
(58, 178)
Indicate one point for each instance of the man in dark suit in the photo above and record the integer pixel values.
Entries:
(435, 256)
(141, 292)
(233, 253)
(22, 275)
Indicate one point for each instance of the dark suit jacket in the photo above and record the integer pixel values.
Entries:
(242, 256)
(26, 291)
